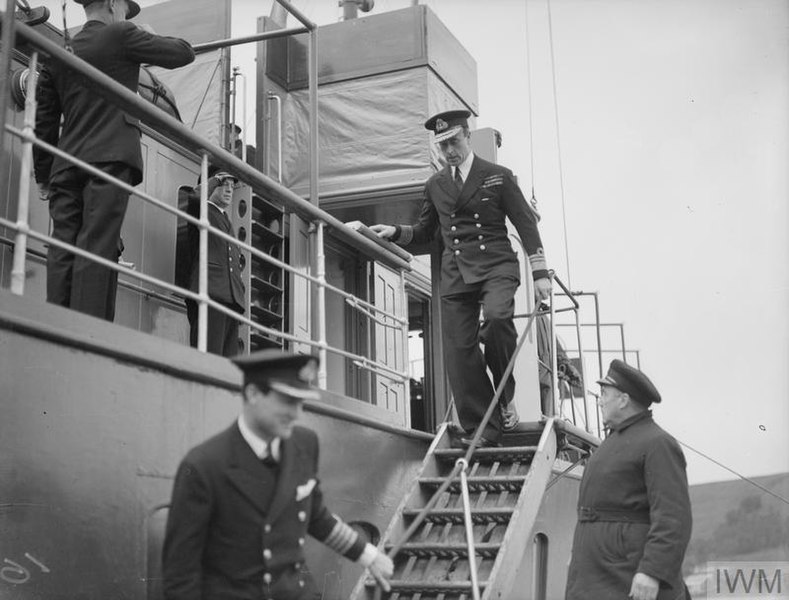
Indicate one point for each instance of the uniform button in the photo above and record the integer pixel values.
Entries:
(301, 541)
(479, 224)
(267, 577)
(479, 237)
(301, 583)
(267, 554)
(482, 246)
(452, 215)
(453, 228)
(476, 215)
(457, 252)
(457, 241)
(267, 528)
(231, 269)
(302, 516)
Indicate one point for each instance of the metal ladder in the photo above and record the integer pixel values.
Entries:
(505, 489)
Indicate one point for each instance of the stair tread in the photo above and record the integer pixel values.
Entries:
(486, 452)
(495, 510)
(456, 547)
(427, 586)
(478, 479)
(449, 545)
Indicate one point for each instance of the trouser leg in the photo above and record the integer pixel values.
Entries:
(104, 207)
(498, 332)
(65, 209)
(465, 362)
(221, 334)
(230, 343)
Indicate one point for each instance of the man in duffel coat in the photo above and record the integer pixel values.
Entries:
(468, 202)
(86, 210)
(634, 516)
(224, 267)
(244, 501)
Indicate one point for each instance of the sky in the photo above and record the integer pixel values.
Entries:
(656, 134)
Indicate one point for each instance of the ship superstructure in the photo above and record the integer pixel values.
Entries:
(97, 415)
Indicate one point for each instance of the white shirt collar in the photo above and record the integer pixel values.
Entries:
(219, 208)
(465, 166)
(259, 446)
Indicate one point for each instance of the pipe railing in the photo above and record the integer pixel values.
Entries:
(176, 131)
(129, 102)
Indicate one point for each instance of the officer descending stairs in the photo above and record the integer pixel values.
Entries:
(496, 493)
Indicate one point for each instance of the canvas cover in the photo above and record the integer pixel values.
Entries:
(371, 131)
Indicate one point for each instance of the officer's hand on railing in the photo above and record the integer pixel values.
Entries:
(382, 569)
(542, 289)
(383, 231)
(43, 192)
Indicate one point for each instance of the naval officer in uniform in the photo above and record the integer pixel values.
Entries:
(244, 501)
(468, 203)
(634, 517)
(87, 211)
(224, 266)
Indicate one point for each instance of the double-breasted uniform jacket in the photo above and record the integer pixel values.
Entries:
(473, 226)
(95, 130)
(634, 514)
(224, 267)
(236, 530)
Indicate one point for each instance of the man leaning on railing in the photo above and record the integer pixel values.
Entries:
(87, 211)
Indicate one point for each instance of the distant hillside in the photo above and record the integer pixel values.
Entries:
(733, 520)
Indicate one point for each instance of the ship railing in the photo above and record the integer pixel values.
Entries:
(260, 184)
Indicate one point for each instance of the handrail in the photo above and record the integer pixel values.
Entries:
(364, 361)
(257, 37)
(263, 185)
(462, 464)
(201, 297)
(419, 518)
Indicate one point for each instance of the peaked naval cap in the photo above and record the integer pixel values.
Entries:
(134, 8)
(288, 374)
(631, 381)
(446, 124)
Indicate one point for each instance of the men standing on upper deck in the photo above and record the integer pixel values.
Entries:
(86, 210)
(469, 202)
(634, 517)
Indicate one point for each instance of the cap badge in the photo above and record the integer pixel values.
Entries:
(441, 125)
(307, 372)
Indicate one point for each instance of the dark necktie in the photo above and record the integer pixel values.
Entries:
(269, 459)
(458, 179)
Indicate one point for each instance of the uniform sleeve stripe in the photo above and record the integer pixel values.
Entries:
(538, 262)
(342, 537)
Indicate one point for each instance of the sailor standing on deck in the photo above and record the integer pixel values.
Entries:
(634, 516)
(468, 202)
(224, 266)
(86, 210)
(244, 501)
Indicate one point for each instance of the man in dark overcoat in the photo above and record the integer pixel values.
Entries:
(224, 267)
(468, 202)
(86, 210)
(244, 501)
(634, 516)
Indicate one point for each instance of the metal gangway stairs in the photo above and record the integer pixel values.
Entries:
(479, 502)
